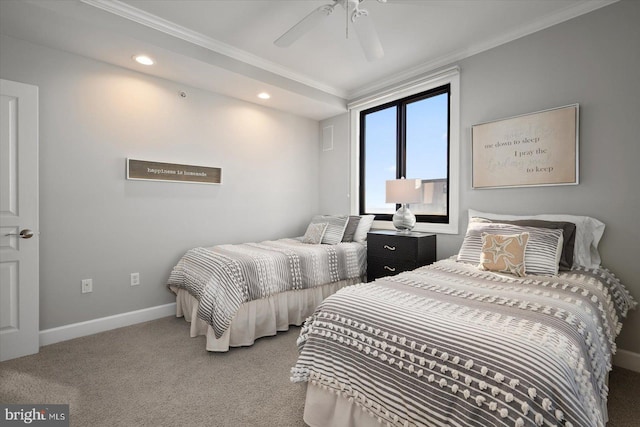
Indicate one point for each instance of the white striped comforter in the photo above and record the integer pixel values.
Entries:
(223, 277)
(449, 345)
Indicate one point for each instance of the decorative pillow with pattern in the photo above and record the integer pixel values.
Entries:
(544, 247)
(335, 227)
(587, 236)
(314, 233)
(504, 253)
(568, 235)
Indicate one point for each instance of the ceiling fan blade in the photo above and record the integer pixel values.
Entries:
(306, 24)
(368, 36)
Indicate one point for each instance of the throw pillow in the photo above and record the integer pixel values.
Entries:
(366, 221)
(504, 253)
(568, 235)
(544, 247)
(335, 227)
(314, 233)
(588, 233)
(352, 226)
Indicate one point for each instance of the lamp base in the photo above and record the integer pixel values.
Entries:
(404, 220)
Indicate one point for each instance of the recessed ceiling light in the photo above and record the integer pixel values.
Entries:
(264, 95)
(143, 59)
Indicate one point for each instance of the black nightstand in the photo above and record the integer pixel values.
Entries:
(390, 252)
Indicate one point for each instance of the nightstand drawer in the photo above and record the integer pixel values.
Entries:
(391, 246)
(380, 267)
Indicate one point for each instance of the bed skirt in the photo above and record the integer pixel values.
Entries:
(323, 408)
(259, 318)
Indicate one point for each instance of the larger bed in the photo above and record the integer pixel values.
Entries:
(454, 345)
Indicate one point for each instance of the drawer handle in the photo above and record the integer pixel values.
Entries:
(392, 269)
(391, 248)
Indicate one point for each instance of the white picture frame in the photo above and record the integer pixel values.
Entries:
(535, 149)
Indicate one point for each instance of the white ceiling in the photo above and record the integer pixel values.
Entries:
(226, 46)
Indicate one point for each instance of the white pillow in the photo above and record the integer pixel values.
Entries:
(364, 226)
(588, 233)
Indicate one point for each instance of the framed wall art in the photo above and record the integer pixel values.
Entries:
(156, 171)
(536, 149)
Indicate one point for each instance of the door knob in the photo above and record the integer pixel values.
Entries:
(25, 234)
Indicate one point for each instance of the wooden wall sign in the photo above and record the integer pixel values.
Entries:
(157, 171)
(540, 148)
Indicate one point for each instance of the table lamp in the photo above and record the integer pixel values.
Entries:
(404, 191)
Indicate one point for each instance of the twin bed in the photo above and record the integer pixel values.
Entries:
(234, 294)
(471, 340)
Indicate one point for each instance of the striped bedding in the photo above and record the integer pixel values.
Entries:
(223, 277)
(450, 345)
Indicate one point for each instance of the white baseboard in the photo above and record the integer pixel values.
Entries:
(623, 358)
(90, 327)
(627, 359)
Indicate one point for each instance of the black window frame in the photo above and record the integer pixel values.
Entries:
(401, 126)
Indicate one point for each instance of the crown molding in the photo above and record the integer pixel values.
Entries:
(134, 14)
(558, 17)
(400, 90)
(131, 13)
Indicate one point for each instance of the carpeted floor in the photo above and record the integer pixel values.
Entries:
(153, 374)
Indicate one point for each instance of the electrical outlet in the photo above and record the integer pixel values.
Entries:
(135, 279)
(87, 286)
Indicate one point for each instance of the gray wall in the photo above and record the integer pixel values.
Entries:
(592, 60)
(95, 224)
(335, 164)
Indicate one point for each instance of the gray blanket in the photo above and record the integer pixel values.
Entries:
(449, 345)
(223, 277)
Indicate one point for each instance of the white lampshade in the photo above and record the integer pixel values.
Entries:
(404, 191)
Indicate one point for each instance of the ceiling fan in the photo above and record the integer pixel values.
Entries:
(360, 20)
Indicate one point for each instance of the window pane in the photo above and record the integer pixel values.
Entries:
(427, 146)
(380, 158)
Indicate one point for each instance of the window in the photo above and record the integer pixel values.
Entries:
(406, 138)
(410, 133)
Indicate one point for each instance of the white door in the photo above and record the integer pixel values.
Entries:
(19, 239)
